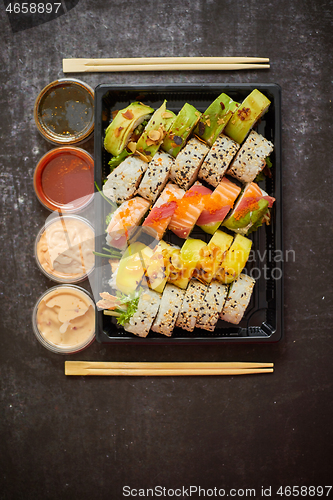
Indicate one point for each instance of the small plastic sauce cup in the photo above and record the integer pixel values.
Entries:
(63, 319)
(64, 249)
(64, 179)
(64, 111)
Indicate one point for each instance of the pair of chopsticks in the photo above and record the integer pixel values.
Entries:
(163, 64)
(142, 369)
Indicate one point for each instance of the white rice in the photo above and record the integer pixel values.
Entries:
(238, 299)
(122, 183)
(142, 319)
(250, 160)
(212, 306)
(171, 303)
(194, 296)
(156, 176)
(187, 164)
(218, 160)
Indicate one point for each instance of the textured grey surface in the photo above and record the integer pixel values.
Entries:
(88, 437)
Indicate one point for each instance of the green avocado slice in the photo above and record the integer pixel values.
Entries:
(180, 129)
(120, 129)
(247, 114)
(243, 225)
(157, 126)
(215, 118)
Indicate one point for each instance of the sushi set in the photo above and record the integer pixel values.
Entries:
(188, 215)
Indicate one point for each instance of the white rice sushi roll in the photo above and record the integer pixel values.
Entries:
(142, 319)
(238, 299)
(194, 296)
(188, 162)
(155, 177)
(251, 158)
(218, 160)
(170, 306)
(122, 183)
(212, 306)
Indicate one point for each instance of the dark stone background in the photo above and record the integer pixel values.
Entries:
(85, 438)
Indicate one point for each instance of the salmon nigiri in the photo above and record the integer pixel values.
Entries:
(163, 210)
(188, 210)
(124, 221)
(251, 210)
(218, 205)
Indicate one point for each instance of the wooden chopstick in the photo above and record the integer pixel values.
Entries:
(81, 65)
(165, 368)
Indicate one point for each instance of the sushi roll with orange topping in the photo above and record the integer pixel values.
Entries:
(161, 214)
(251, 210)
(124, 221)
(188, 210)
(218, 205)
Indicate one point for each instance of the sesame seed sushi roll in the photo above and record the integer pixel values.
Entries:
(188, 210)
(123, 181)
(187, 164)
(218, 160)
(124, 221)
(141, 321)
(192, 302)
(238, 299)
(161, 214)
(155, 177)
(250, 159)
(218, 205)
(170, 306)
(212, 306)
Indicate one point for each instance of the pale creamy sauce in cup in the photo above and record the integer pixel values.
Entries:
(65, 249)
(66, 318)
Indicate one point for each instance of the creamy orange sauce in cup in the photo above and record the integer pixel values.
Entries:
(65, 318)
(65, 249)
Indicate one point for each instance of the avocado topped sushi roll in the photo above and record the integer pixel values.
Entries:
(119, 132)
(155, 131)
(181, 129)
(246, 116)
(215, 118)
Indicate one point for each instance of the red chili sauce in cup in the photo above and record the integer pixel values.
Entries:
(64, 179)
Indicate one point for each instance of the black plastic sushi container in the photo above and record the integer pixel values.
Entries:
(263, 319)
